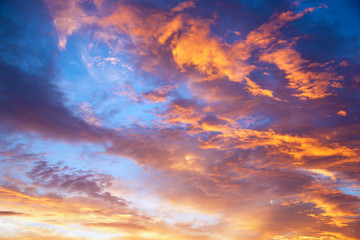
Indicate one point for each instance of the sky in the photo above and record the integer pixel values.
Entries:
(181, 120)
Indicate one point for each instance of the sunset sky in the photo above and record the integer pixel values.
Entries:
(179, 120)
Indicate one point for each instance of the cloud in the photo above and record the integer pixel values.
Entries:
(63, 178)
(11, 213)
(215, 59)
(116, 225)
(33, 103)
(68, 17)
(183, 5)
(159, 94)
(342, 113)
(251, 138)
(89, 115)
(310, 84)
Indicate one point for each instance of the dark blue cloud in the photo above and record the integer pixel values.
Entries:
(27, 35)
(29, 97)
(330, 32)
(32, 103)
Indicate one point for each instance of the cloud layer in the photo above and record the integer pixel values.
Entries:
(179, 120)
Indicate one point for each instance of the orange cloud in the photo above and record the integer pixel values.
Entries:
(159, 94)
(310, 84)
(194, 47)
(209, 56)
(183, 5)
(342, 113)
